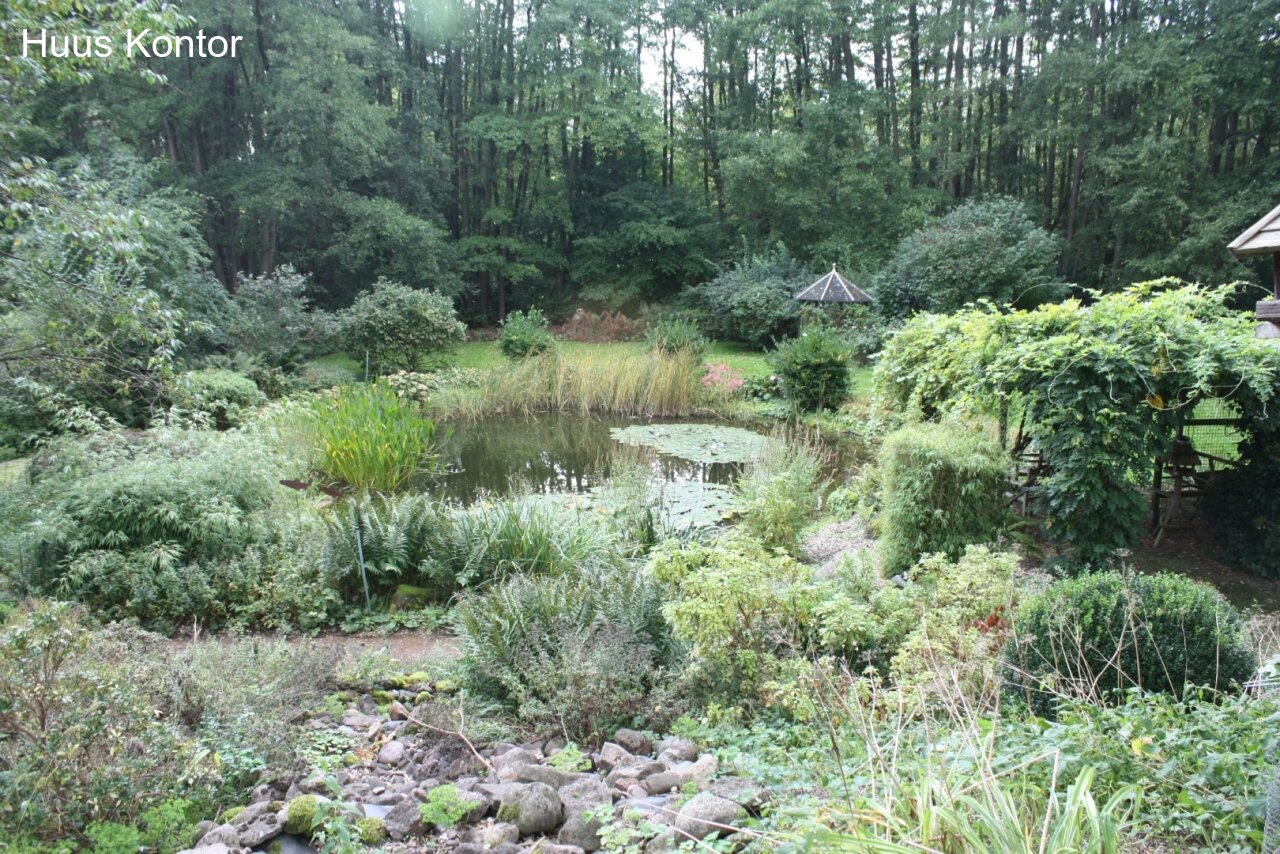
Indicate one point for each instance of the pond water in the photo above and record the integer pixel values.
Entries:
(559, 453)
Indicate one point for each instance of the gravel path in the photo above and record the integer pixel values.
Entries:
(827, 545)
(409, 648)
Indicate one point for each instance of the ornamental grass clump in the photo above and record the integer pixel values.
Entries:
(368, 438)
(942, 488)
(594, 382)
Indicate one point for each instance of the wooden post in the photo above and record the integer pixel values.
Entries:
(1275, 274)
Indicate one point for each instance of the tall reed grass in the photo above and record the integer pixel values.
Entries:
(653, 384)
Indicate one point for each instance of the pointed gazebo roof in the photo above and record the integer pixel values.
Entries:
(833, 287)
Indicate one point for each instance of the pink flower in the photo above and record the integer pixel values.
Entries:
(722, 378)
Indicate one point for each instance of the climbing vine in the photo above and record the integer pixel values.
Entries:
(1099, 387)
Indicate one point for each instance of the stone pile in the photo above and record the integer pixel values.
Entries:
(511, 798)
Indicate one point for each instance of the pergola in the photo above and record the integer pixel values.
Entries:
(1263, 238)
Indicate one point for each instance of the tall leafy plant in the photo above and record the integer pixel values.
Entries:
(369, 438)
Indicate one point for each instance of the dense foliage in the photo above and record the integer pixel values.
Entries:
(367, 437)
(754, 300)
(1098, 388)
(581, 650)
(942, 488)
(400, 328)
(672, 335)
(1099, 635)
(989, 250)
(218, 393)
(814, 369)
(524, 333)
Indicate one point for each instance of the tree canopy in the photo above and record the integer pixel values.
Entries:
(614, 153)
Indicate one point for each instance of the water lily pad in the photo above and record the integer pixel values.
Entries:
(702, 443)
(691, 504)
(677, 506)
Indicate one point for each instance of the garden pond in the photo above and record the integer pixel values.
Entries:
(693, 463)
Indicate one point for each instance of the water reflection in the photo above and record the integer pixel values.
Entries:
(552, 453)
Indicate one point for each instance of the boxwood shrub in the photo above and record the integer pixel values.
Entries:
(1100, 635)
(814, 369)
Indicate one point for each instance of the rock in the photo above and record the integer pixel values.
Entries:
(261, 829)
(634, 742)
(392, 753)
(678, 775)
(542, 774)
(532, 807)
(678, 749)
(223, 834)
(218, 848)
(613, 756)
(661, 784)
(398, 712)
(359, 721)
(700, 771)
(663, 843)
(705, 814)
(473, 848)
(746, 794)
(653, 809)
(586, 795)
(202, 828)
(551, 848)
(628, 774)
(268, 792)
(504, 765)
(375, 810)
(492, 835)
(495, 792)
(249, 813)
(404, 820)
(479, 806)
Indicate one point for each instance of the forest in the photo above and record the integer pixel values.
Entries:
(609, 154)
(639, 426)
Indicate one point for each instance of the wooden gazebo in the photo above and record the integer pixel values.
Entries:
(1263, 238)
(833, 287)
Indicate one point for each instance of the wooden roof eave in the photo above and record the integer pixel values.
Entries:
(1261, 238)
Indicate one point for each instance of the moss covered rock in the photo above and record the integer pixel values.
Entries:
(300, 815)
(371, 830)
(407, 597)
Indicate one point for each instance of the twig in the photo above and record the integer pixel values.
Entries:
(455, 733)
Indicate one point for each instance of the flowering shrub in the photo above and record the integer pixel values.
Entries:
(417, 387)
(723, 380)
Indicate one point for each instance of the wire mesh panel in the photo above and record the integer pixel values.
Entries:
(1218, 442)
